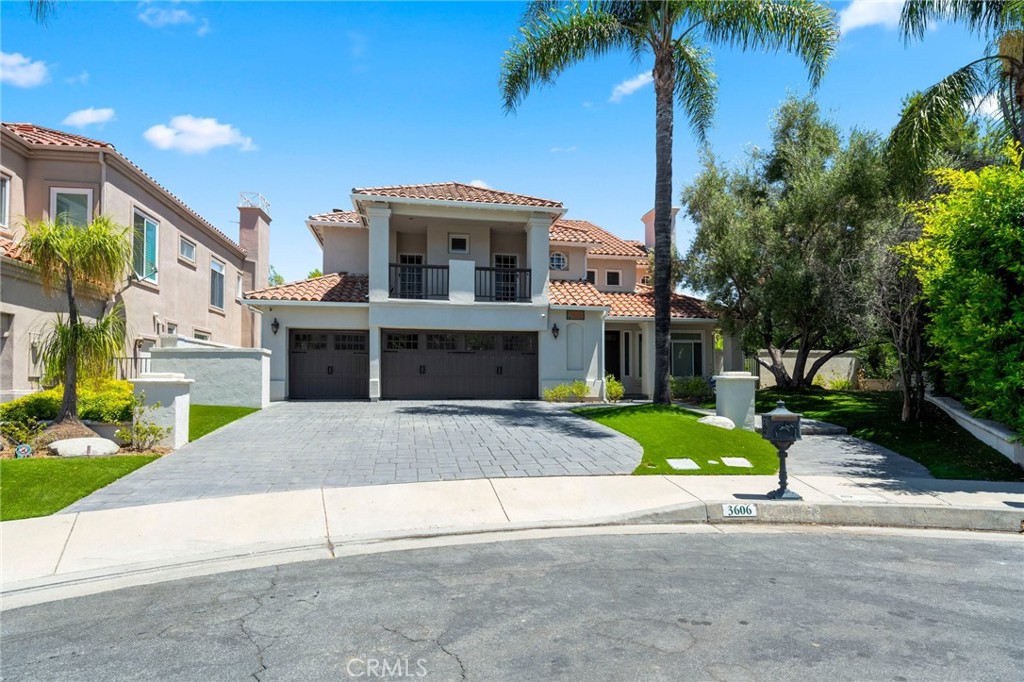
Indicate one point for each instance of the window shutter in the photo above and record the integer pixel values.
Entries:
(150, 271)
(139, 247)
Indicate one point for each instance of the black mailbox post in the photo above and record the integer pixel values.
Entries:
(781, 428)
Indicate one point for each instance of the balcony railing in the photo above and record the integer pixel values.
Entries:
(418, 281)
(503, 284)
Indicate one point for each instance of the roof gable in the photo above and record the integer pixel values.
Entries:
(456, 191)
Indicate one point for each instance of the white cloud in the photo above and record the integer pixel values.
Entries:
(479, 183)
(158, 17)
(987, 106)
(863, 13)
(559, 150)
(192, 135)
(204, 28)
(18, 70)
(88, 117)
(629, 86)
(80, 79)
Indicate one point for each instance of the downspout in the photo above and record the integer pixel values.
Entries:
(103, 183)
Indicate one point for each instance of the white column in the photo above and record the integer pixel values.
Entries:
(537, 256)
(734, 398)
(379, 218)
(171, 392)
(375, 363)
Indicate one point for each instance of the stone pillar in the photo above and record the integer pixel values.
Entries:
(171, 391)
(734, 398)
(379, 218)
(537, 255)
(375, 355)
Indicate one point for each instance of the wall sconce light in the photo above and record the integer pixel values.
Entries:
(274, 326)
(554, 330)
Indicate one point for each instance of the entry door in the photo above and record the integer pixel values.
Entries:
(613, 354)
(410, 275)
(505, 282)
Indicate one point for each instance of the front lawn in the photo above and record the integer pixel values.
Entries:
(202, 419)
(937, 442)
(39, 486)
(669, 432)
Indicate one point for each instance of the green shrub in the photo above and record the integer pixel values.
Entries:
(613, 389)
(18, 432)
(833, 382)
(141, 434)
(107, 400)
(691, 389)
(563, 393)
(580, 390)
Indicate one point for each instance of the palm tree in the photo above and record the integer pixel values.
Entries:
(679, 35)
(933, 116)
(71, 258)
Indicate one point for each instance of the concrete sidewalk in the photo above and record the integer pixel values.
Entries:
(98, 550)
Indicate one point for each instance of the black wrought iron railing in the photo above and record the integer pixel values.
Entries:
(418, 281)
(503, 284)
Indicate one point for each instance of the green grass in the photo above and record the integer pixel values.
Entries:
(937, 442)
(203, 419)
(40, 486)
(667, 432)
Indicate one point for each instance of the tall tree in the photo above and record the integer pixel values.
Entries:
(933, 114)
(787, 246)
(678, 35)
(71, 258)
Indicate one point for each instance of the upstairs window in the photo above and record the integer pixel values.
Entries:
(612, 278)
(559, 261)
(646, 280)
(72, 206)
(187, 249)
(592, 276)
(216, 283)
(5, 202)
(144, 247)
(458, 243)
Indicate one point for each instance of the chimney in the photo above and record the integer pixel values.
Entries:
(648, 220)
(254, 236)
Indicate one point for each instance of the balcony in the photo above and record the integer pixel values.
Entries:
(425, 282)
(503, 284)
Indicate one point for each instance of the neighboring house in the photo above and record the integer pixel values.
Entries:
(187, 277)
(454, 291)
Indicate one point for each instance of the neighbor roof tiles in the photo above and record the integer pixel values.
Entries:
(336, 216)
(339, 287)
(457, 191)
(607, 244)
(578, 293)
(12, 249)
(641, 304)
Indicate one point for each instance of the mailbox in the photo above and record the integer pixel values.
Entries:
(780, 425)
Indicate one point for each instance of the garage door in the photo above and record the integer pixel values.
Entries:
(328, 364)
(440, 364)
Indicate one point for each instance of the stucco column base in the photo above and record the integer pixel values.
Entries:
(734, 398)
(171, 391)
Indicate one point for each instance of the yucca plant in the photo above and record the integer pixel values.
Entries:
(71, 259)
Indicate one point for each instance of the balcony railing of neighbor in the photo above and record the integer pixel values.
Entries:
(503, 284)
(418, 281)
(131, 367)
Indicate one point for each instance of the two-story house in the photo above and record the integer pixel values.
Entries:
(186, 276)
(453, 291)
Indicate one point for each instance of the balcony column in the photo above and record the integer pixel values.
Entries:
(537, 256)
(379, 218)
(375, 352)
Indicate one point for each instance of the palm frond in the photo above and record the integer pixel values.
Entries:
(985, 18)
(95, 346)
(552, 40)
(805, 27)
(696, 85)
(42, 10)
(95, 255)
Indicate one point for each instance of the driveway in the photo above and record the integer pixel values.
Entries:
(301, 445)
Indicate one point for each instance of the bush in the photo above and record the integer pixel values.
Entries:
(562, 393)
(106, 400)
(613, 389)
(141, 434)
(691, 389)
(833, 382)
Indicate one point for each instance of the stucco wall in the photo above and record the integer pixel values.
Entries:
(585, 347)
(346, 249)
(842, 366)
(627, 282)
(577, 257)
(221, 376)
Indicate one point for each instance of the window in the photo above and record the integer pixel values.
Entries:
(5, 201)
(592, 276)
(476, 342)
(200, 335)
(216, 283)
(521, 343)
(410, 275)
(441, 341)
(402, 341)
(645, 280)
(72, 206)
(238, 286)
(612, 278)
(172, 329)
(356, 342)
(144, 247)
(687, 354)
(559, 261)
(187, 249)
(458, 243)
(507, 282)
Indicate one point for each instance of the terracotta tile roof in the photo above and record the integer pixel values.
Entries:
(339, 287)
(641, 304)
(607, 243)
(336, 216)
(568, 231)
(578, 293)
(457, 191)
(12, 249)
(33, 134)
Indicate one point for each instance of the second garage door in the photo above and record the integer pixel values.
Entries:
(441, 364)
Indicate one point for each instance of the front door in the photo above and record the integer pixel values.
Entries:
(505, 288)
(613, 354)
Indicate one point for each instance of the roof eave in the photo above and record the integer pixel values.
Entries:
(448, 203)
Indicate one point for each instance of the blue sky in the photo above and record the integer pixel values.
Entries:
(303, 101)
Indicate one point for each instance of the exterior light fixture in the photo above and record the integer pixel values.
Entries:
(781, 428)
(554, 330)
(274, 326)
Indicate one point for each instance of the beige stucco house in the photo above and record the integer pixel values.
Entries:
(453, 291)
(187, 277)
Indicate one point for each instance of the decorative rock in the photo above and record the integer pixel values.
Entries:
(720, 422)
(84, 447)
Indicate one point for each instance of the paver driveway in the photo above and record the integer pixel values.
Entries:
(300, 445)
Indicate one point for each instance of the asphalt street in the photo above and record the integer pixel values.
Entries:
(727, 607)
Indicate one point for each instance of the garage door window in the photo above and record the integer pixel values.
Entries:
(518, 344)
(307, 342)
(441, 341)
(403, 341)
(356, 342)
(477, 342)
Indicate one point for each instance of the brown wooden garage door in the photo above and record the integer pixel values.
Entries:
(328, 364)
(440, 364)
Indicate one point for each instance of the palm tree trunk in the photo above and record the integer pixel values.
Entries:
(69, 403)
(664, 92)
